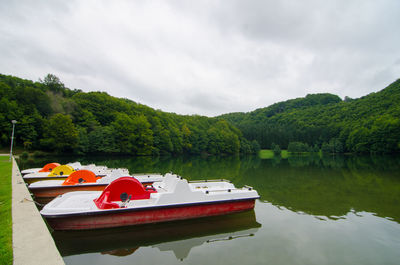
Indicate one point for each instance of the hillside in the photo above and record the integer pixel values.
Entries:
(52, 117)
(368, 124)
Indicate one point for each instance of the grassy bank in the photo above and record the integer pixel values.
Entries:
(16, 150)
(268, 154)
(6, 253)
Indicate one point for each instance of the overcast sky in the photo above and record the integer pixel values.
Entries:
(205, 57)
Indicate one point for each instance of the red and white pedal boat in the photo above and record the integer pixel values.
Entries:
(83, 180)
(126, 202)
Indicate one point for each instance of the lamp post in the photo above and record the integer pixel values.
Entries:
(12, 137)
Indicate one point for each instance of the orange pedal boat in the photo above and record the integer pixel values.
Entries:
(47, 168)
(82, 180)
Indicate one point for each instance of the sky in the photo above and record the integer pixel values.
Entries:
(206, 57)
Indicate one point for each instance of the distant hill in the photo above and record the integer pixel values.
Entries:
(52, 117)
(370, 124)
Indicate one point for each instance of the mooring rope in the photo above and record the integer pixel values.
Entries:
(29, 200)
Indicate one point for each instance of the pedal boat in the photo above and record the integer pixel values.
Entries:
(83, 180)
(46, 168)
(126, 202)
(50, 166)
(62, 172)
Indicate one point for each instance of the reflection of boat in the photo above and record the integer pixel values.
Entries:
(126, 202)
(120, 252)
(178, 237)
(181, 248)
(82, 180)
(63, 171)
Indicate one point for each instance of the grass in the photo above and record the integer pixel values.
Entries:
(16, 150)
(6, 252)
(269, 154)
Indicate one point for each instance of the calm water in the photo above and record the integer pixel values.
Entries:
(335, 210)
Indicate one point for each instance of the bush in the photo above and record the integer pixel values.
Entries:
(334, 146)
(27, 145)
(245, 146)
(315, 148)
(39, 154)
(255, 146)
(276, 149)
(298, 147)
(326, 148)
(24, 155)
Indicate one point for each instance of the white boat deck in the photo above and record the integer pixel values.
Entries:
(97, 170)
(173, 190)
(104, 180)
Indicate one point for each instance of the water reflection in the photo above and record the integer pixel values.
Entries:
(321, 186)
(313, 210)
(181, 248)
(177, 237)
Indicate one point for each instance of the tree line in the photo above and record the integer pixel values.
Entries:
(370, 124)
(52, 117)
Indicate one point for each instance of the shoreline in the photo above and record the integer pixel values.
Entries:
(32, 241)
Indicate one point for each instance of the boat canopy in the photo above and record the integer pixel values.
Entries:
(63, 170)
(81, 176)
(120, 190)
(49, 167)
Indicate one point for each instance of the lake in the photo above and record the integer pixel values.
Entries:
(312, 210)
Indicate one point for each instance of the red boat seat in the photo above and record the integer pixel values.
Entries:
(81, 176)
(128, 186)
(49, 167)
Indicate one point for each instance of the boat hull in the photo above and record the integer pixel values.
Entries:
(52, 192)
(128, 217)
(35, 179)
(30, 171)
(30, 180)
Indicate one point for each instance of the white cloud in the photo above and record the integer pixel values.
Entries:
(205, 57)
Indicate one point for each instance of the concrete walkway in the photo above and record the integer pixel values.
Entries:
(32, 242)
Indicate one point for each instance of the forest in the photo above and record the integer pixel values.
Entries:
(54, 118)
(370, 124)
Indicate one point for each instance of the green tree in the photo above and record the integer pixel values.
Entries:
(186, 134)
(276, 149)
(83, 142)
(143, 136)
(327, 148)
(246, 147)
(255, 146)
(124, 129)
(176, 139)
(358, 140)
(222, 140)
(52, 82)
(103, 140)
(298, 147)
(27, 130)
(60, 133)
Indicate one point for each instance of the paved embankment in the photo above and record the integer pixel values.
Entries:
(32, 242)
